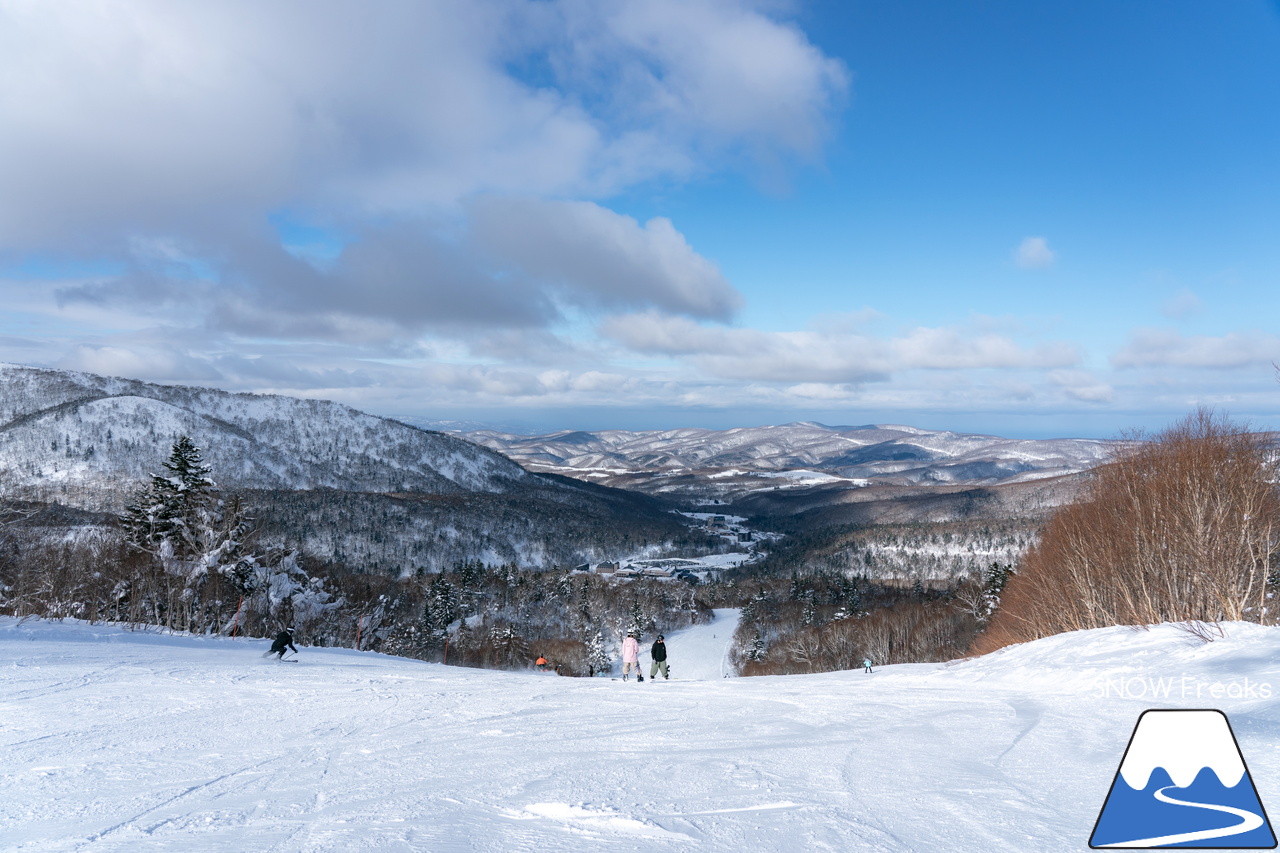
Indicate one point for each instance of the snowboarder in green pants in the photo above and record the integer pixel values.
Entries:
(659, 652)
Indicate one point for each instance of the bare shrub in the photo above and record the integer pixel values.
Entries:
(909, 631)
(567, 657)
(1182, 528)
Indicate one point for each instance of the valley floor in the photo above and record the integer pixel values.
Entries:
(119, 741)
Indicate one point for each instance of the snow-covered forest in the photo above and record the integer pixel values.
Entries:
(372, 494)
(185, 556)
(368, 533)
(935, 554)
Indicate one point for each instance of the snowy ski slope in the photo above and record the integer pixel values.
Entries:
(139, 742)
(700, 653)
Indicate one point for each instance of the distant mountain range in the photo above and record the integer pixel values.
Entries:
(381, 495)
(730, 464)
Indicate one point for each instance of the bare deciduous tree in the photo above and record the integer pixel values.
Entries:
(1182, 528)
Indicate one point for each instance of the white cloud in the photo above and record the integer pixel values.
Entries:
(950, 348)
(1182, 304)
(518, 264)
(471, 246)
(1154, 347)
(720, 67)
(820, 392)
(655, 334)
(153, 115)
(1034, 253)
(826, 354)
(603, 257)
(152, 363)
(1082, 385)
(456, 153)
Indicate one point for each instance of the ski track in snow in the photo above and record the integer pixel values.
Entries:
(700, 653)
(113, 741)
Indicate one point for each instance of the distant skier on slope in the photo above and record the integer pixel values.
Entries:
(631, 656)
(283, 640)
(866, 664)
(659, 652)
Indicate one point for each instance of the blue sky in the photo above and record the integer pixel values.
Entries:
(1023, 218)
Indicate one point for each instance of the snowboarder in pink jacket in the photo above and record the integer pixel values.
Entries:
(630, 655)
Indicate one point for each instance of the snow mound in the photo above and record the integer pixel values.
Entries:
(1170, 654)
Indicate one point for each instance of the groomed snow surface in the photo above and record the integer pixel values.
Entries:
(118, 741)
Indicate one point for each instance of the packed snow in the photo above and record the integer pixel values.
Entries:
(112, 740)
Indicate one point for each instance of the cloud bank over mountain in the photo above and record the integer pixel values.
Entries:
(501, 204)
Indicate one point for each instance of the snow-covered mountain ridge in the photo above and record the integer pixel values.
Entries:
(796, 455)
(873, 451)
(76, 437)
(374, 494)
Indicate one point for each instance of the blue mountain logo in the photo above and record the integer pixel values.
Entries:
(1183, 783)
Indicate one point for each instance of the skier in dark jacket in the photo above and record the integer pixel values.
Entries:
(659, 652)
(283, 640)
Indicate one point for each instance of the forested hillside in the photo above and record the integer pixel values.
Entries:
(77, 438)
(373, 494)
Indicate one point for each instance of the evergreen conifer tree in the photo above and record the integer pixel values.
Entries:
(181, 521)
(598, 659)
(174, 517)
(636, 619)
(994, 581)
